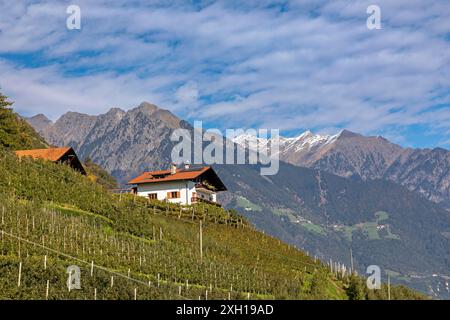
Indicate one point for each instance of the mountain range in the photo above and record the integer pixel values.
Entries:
(426, 171)
(333, 195)
(124, 143)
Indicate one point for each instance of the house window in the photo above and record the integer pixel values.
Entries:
(153, 196)
(173, 195)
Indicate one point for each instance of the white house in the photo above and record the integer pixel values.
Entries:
(185, 186)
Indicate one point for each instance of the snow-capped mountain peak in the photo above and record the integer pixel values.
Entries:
(304, 142)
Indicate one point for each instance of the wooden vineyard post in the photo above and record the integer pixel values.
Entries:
(389, 287)
(20, 274)
(201, 242)
(351, 262)
(47, 289)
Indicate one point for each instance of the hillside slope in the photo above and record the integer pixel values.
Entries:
(383, 223)
(52, 218)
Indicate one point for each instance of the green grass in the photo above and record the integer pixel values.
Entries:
(71, 210)
(381, 216)
(284, 212)
(369, 228)
(246, 204)
(314, 228)
(51, 204)
(309, 226)
(392, 273)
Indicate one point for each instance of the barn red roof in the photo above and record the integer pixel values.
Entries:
(165, 175)
(64, 154)
(52, 154)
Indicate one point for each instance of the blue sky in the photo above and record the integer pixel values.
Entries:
(292, 65)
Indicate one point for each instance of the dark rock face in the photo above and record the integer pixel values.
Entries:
(124, 143)
(39, 122)
(424, 171)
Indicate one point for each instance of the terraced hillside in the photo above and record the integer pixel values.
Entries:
(127, 247)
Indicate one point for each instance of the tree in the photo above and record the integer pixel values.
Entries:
(4, 103)
(8, 127)
(319, 283)
(15, 132)
(356, 289)
(97, 174)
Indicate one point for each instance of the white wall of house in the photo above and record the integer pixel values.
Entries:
(185, 188)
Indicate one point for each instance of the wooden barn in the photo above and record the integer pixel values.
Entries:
(60, 155)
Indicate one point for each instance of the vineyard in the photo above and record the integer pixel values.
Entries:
(129, 248)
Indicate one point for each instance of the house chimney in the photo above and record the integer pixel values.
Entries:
(173, 168)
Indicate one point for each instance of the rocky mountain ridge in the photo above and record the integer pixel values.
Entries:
(426, 171)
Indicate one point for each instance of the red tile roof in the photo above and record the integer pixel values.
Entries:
(181, 174)
(52, 154)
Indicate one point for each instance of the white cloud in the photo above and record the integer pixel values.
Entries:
(187, 94)
(314, 65)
